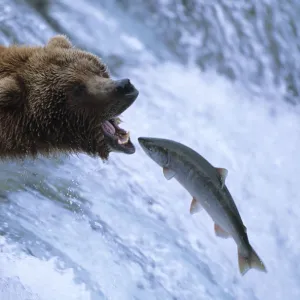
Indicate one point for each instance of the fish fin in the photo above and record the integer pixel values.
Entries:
(220, 232)
(168, 173)
(251, 262)
(223, 174)
(195, 206)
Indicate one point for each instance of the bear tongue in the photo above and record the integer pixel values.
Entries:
(108, 128)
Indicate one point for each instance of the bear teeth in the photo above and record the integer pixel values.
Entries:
(117, 120)
(124, 139)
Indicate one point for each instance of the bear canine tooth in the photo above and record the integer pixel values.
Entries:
(125, 139)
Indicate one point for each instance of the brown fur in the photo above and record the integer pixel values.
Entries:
(53, 99)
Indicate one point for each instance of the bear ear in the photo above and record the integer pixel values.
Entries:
(59, 41)
(10, 93)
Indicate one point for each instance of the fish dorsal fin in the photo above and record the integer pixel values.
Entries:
(195, 206)
(220, 232)
(168, 173)
(222, 172)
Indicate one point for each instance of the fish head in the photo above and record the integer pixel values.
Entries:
(154, 148)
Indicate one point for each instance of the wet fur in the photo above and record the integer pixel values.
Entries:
(53, 99)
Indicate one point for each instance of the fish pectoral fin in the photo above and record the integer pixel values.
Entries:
(222, 174)
(168, 173)
(220, 232)
(195, 206)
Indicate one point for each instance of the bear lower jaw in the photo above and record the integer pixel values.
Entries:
(117, 138)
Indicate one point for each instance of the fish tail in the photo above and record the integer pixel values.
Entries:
(252, 261)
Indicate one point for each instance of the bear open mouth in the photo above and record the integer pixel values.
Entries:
(117, 138)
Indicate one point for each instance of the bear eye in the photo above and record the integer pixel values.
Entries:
(79, 89)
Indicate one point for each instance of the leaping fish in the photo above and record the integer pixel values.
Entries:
(206, 184)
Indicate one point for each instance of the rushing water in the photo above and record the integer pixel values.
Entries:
(219, 76)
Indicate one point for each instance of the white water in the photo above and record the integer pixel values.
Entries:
(132, 236)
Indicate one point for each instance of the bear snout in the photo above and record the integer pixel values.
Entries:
(125, 88)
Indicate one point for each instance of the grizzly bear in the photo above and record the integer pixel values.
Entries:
(60, 99)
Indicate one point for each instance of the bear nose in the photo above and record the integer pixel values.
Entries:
(124, 86)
